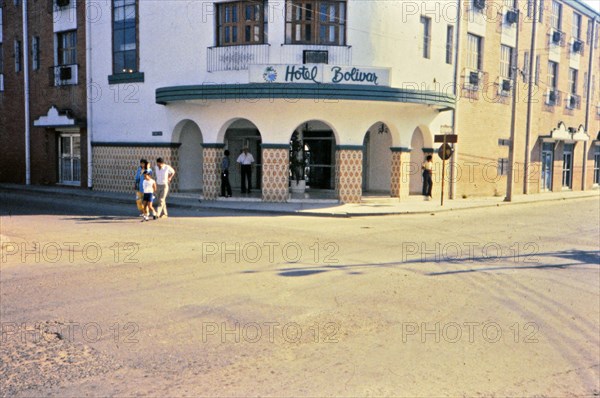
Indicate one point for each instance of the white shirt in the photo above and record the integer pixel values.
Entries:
(245, 158)
(162, 175)
(148, 186)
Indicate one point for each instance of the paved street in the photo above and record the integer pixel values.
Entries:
(500, 301)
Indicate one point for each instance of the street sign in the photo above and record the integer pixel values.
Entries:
(445, 152)
(450, 138)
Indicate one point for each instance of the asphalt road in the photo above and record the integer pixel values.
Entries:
(483, 302)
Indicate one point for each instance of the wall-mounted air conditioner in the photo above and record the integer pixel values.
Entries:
(512, 16)
(577, 46)
(556, 37)
(552, 97)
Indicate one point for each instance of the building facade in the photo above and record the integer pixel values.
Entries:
(545, 53)
(344, 96)
(43, 103)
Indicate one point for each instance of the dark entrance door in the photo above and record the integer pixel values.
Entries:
(320, 158)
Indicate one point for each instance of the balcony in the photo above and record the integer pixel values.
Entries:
(336, 55)
(236, 57)
(63, 75)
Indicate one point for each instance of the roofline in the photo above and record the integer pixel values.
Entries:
(583, 7)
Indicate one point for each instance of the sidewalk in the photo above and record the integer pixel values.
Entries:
(370, 206)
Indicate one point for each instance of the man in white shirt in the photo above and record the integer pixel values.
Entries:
(164, 174)
(245, 161)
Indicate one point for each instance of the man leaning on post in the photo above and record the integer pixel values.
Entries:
(164, 174)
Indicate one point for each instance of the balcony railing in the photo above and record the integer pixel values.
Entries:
(63, 75)
(336, 55)
(236, 57)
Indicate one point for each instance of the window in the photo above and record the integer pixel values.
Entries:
(567, 174)
(556, 17)
(585, 84)
(552, 75)
(597, 165)
(67, 48)
(530, 8)
(449, 43)
(17, 55)
(241, 22)
(526, 71)
(541, 12)
(590, 28)
(474, 61)
(576, 27)
(1, 59)
(426, 22)
(125, 51)
(538, 60)
(573, 81)
(316, 22)
(506, 55)
(510, 3)
(35, 52)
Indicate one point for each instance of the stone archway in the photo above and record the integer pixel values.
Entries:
(188, 134)
(242, 133)
(417, 156)
(377, 159)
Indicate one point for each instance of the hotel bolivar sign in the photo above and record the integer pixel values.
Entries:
(319, 73)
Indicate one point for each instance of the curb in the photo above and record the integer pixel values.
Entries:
(101, 196)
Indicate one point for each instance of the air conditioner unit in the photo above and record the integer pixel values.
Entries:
(474, 78)
(577, 46)
(552, 97)
(62, 3)
(315, 57)
(556, 37)
(479, 4)
(65, 73)
(572, 101)
(512, 17)
(506, 85)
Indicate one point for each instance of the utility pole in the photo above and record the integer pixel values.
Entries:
(513, 122)
(532, 56)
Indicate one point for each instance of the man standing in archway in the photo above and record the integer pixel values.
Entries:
(427, 168)
(245, 161)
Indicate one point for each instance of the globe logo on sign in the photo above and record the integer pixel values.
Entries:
(270, 74)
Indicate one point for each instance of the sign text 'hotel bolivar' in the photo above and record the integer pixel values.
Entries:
(319, 73)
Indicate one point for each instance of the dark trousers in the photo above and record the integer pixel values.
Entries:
(427, 183)
(225, 186)
(246, 177)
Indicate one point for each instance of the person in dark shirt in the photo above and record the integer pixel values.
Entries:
(225, 186)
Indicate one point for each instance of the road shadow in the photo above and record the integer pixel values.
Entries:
(538, 261)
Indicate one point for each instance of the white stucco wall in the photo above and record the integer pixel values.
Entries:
(173, 41)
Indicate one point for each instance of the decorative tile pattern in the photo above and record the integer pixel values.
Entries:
(276, 175)
(211, 187)
(114, 167)
(348, 175)
(400, 170)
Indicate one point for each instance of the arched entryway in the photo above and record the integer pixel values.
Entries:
(188, 134)
(239, 134)
(318, 144)
(417, 157)
(377, 159)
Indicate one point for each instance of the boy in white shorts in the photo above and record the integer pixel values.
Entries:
(149, 187)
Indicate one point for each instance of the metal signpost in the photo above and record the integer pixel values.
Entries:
(445, 152)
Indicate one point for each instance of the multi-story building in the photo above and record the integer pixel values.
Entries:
(359, 88)
(545, 53)
(354, 81)
(43, 92)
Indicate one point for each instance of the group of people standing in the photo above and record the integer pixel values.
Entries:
(245, 161)
(147, 188)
